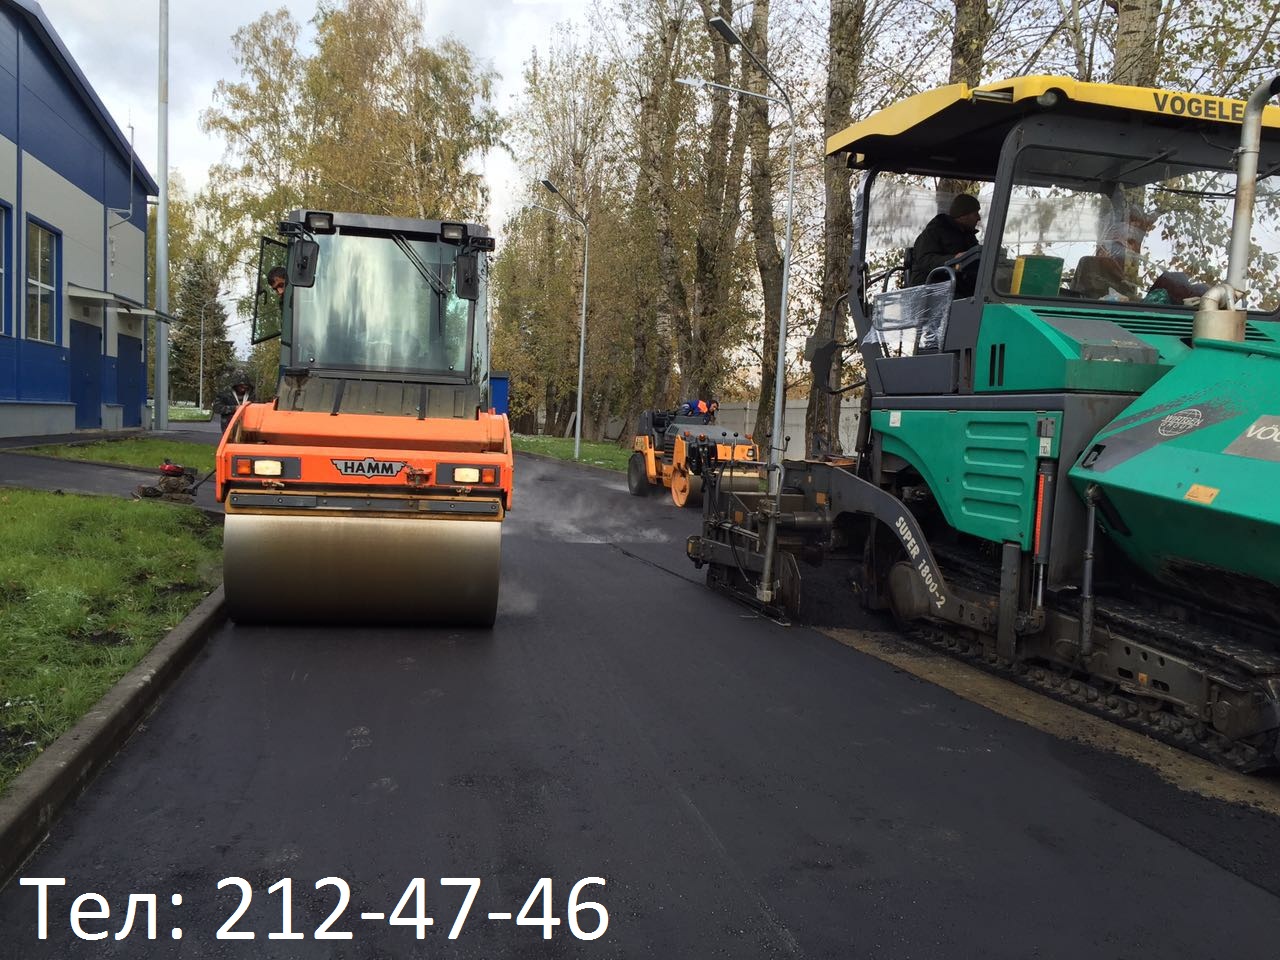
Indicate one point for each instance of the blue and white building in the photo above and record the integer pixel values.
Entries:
(73, 240)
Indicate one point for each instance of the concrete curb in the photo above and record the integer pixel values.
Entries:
(69, 764)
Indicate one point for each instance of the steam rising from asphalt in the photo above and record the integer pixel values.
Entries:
(588, 508)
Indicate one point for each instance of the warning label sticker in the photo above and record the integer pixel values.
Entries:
(1199, 493)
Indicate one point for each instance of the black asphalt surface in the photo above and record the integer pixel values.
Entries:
(746, 789)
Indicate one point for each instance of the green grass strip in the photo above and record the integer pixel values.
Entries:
(608, 455)
(145, 452)
(88, 585)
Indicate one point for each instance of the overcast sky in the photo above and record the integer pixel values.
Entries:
(115, 42)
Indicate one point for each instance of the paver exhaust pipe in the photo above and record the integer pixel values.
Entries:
(1218, 317)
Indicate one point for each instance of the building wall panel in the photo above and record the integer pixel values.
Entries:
(9, 198)
(45, 371)
(53, 121)
(36, 419)
(110, 379)
(8, 74)
(118, 185)
(125, 325)
(127, 261)
(8, 368)
(49, 197)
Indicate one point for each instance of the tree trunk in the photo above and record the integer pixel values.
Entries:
(655, 148)
(845, 46)
(549, 417)
(718, 221)
(968, 47)
(768, 258)
(1135, 60)
(974, 24)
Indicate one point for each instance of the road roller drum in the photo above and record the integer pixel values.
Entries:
(361, 569)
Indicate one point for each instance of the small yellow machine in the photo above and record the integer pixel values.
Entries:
(676, 451)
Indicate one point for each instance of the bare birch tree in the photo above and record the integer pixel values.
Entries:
(845, 49)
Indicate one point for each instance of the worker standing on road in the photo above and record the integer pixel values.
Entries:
(237, 395)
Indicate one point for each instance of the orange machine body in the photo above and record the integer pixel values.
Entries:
(366, 453)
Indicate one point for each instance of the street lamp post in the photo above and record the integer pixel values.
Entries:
(582, 327)
(765, 591)
(161, 392)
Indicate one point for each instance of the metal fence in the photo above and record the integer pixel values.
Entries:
(742, 417)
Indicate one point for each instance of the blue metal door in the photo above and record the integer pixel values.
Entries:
(129, 379)
(86, 374)
(499, 392)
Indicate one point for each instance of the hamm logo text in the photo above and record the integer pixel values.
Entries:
(369, 467)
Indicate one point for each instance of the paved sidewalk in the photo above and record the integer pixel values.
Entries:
(72, 476)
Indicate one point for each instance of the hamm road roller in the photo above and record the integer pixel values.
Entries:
(374, 486)
(1069, 456)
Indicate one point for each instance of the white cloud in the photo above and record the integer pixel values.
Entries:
(116, 44)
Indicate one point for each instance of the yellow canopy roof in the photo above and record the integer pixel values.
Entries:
(932, 127)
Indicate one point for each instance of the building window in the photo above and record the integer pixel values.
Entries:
(42, 284)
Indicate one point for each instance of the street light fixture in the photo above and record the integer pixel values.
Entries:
(582, 327)
(765, 591)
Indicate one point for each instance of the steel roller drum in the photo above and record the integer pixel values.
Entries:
(686, 490)
(743, 480)
(421, 570)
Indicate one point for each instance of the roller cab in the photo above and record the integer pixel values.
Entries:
(374, 486)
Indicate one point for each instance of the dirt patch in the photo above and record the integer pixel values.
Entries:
(200, 522)
(17, 745)
(177, 589)
(143, 578)
(103, 638)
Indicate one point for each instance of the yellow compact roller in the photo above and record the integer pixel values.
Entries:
(676, 450)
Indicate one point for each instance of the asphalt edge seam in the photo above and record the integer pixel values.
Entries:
(56, 778)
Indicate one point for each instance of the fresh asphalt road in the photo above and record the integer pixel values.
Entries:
(746, 789)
